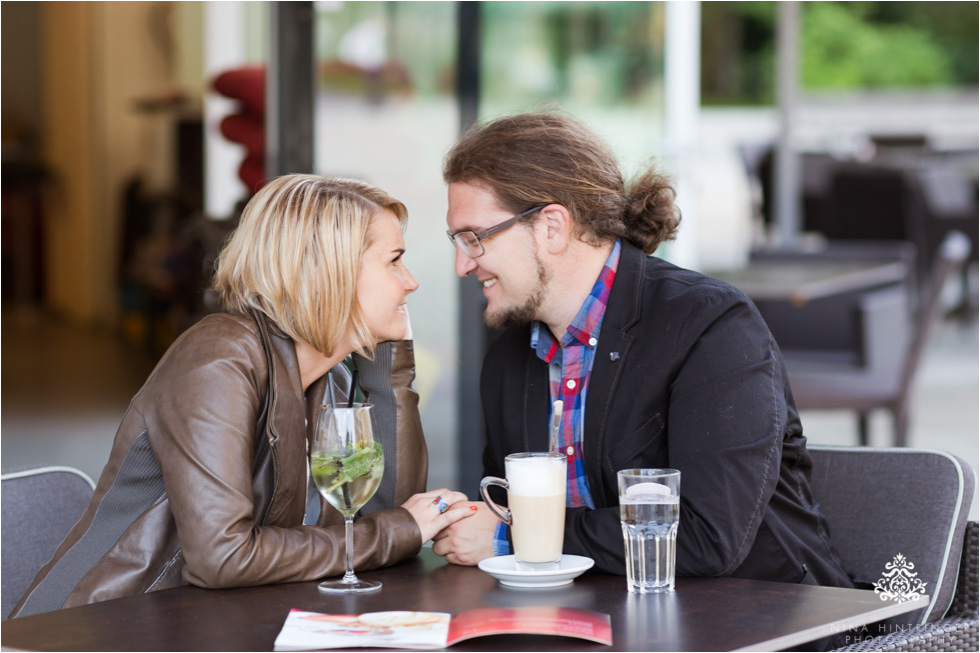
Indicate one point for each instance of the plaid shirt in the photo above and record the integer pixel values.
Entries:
(570, 366)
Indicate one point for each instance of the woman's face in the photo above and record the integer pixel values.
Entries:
(384, 282)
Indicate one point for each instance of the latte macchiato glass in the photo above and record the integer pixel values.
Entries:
(535, 487)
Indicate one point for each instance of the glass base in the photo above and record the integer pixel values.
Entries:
(340, 586)
(649, 589)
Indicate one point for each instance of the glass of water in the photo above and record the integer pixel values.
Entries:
(649, 510)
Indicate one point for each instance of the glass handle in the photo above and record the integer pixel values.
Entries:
(502, 513)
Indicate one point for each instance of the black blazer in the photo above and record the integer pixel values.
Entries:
(686, 376)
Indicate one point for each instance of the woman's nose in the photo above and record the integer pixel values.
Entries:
(411, 285)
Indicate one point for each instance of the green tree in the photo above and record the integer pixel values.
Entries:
(843, 47)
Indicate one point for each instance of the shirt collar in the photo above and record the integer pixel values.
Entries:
(584, 328)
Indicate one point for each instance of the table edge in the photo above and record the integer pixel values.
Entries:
(841, 625)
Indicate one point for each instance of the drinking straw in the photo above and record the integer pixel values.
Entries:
(556, 410)
(350, 450)
(353, 389)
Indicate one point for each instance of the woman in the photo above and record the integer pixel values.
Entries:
(207, 480)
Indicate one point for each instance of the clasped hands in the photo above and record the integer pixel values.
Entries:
(470, 540)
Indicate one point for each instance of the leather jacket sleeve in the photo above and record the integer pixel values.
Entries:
(202, 429)
(387, 383)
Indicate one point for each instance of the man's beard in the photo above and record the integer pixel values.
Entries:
(526, 312)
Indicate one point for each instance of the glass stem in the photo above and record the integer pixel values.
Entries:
(349, 577)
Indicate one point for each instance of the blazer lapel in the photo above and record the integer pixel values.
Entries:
(622, 311)
(537, 398)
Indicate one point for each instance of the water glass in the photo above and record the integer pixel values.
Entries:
(649, 511)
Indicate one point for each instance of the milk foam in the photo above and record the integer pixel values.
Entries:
(536, 477)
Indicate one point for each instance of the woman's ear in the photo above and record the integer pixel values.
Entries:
(557, 223)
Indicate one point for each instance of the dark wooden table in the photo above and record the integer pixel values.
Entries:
(703, 614)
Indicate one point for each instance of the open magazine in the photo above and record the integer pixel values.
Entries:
(305, 631)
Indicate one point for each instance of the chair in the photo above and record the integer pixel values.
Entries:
(869, 202)
(39, 507)
(882, 502)
(850, 388)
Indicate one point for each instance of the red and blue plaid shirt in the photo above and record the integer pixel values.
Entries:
(570, 366)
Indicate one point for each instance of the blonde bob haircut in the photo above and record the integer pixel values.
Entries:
(295, 256)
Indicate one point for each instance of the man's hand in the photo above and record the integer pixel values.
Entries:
(469, 541)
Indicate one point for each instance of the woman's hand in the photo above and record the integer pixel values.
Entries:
(469, 542)
(426, 510)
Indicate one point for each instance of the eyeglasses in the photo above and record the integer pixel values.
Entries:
(470, 242)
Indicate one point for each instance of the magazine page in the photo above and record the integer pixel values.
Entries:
(543, 620)
(304, 631)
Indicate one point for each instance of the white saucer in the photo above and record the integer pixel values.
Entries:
(505, 569)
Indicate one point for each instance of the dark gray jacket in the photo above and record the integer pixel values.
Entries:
(686, 376)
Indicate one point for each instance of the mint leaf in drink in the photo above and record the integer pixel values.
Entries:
(367, 460)
(362, 462)
(323, 465)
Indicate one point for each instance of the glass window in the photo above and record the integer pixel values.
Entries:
(601, 61)
(386, 113)
(738, 43)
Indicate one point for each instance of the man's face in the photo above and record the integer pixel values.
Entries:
(514, 279)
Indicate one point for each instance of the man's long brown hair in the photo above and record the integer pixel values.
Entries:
(533, 159)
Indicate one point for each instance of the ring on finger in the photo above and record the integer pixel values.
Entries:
(440, 504)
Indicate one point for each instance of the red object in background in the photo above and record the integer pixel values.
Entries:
(247, 126)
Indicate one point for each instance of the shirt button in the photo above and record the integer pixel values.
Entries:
(570, 450)
(593, 342)
(570, 384)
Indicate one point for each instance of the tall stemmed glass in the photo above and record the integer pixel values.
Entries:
(347, 463)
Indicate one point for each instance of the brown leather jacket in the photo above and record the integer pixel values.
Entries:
(207, 479)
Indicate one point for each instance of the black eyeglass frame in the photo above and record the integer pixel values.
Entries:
(489, 231)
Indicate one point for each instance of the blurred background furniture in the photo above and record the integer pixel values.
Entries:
(822, 305)
(899, 187)
(885, 377)
(882, 502)
(40, 505)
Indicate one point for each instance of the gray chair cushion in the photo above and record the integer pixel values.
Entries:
(40, 505)
(882, 502)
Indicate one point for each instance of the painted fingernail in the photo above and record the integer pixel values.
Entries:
(472, 507)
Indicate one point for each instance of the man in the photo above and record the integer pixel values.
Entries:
(656, 366)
